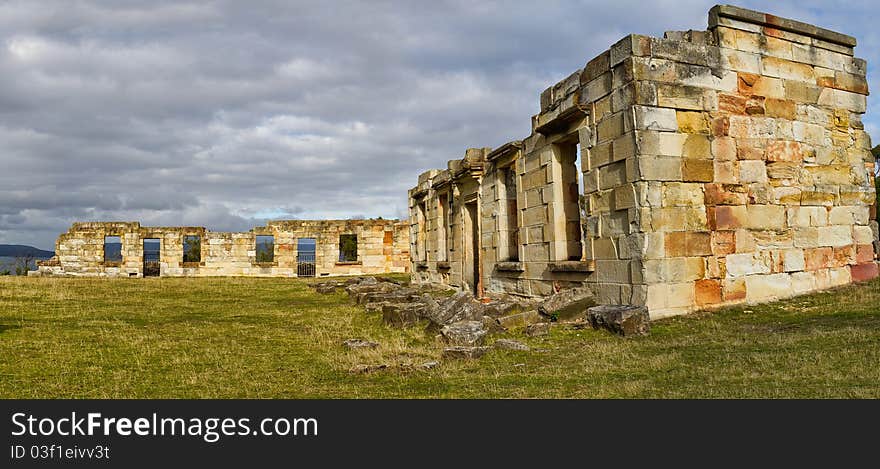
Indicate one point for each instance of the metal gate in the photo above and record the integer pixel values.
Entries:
(305, 257)
(151, 257)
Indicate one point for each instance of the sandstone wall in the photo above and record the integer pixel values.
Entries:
(382, 247)
(716, 167)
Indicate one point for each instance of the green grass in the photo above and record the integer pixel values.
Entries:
(275, 338)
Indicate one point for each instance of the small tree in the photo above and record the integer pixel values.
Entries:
(22, 263)
(192, 248)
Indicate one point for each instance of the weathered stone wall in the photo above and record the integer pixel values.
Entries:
(442, 225)
(716, 167)
(382, 247)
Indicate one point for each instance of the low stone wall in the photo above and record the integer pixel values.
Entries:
(382, 247)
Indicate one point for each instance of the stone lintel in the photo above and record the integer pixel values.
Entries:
(573, 266)
(504, 150)
(509, 266)
(764, 19)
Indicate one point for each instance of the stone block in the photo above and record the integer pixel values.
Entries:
(739, 265)
(806, 237)
(733, 289)
(854, 102)
(720, 194)
(864, 272)
(726, 172)
(622, 320)
(780, 108)
(764, 217)
(660, 168)
(655, 118)
(687, 244)
(793, 260)
(681, 194)
(674, 269)
(723, 148)
(749, 84)
(818, 258)
(787, 69)
(691, 122)
(661, 143)
(848, 215)
(835, 235)
(801, 92)
(768, 287)
(697, 170)
(678, 219)
(864, 253)
(752, 171)
(723, 242)
(752, 127)
(686, 97)
(729, 217)
(863, 235)
(740, 61)
(784, 151)
(707, 292)
(661, 297)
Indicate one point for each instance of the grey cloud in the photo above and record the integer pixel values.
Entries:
(225, 113)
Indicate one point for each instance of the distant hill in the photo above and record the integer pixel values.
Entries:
(15, 250)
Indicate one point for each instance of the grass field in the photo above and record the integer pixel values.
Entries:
(275, 338)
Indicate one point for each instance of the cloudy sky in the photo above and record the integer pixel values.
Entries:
(227, 113)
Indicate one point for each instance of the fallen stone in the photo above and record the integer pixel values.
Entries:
(538, 329)
(367, 280)
(520, 320)
(359, 343)
(459, 352)
(375, 307)
(356, 288)
(508, 306)
(390, 280)
(491, 325)
(509, 344)
(326, 288)
(569, 304)
(429, 365)
(464, 333)
(623, 320)
(459, 307)
(403, 314)
(360, 294)
(367, 368)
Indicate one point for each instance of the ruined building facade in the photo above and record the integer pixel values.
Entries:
(700, 169)
(288, 248)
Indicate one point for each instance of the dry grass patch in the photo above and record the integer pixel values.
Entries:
(276, 338)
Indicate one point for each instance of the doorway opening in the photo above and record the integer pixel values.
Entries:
(152, 246)
(472, 248)
(305, 257)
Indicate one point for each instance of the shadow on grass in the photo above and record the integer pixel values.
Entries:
(7, 327)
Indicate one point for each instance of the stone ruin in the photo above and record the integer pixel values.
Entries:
(287, 248)
(699, 169)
